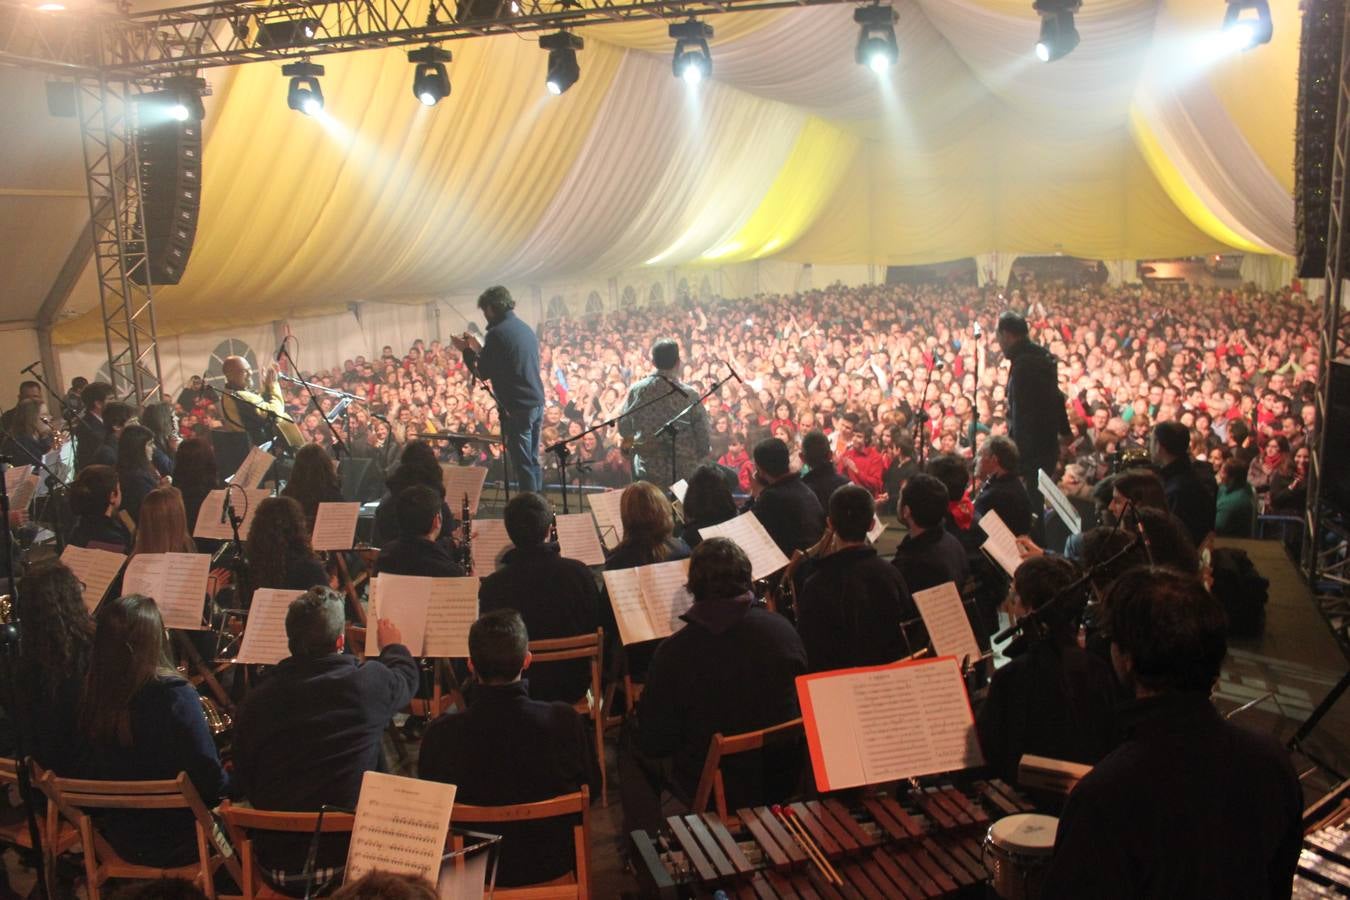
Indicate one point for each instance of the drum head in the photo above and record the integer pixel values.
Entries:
(1029, 834)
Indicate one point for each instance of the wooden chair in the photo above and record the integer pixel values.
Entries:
(71, 798)
(590, 647)
(575, 886)
(56, 837)
(710, 783)
(240, 822)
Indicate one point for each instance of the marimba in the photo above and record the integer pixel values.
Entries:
(919, 844)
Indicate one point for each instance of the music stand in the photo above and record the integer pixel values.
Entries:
(231, 449)
(352, 471)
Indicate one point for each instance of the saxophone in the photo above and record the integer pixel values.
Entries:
(466, 546)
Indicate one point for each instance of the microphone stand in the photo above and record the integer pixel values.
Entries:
(671, 427)
(345, 400)
(67, 412)
(471, 363)
(975, 401)
(921, 418)
(338, 445)
(54, 486)
(562, 449)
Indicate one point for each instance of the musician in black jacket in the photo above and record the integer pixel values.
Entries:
(506, 748)
(929, 555)
(820, 476)
(784, 505)
(1036, 413)
(1002, 492)
(1189, 498)
(852, 603)
(307, 734)
(555, 596)
(1190, 805)
(416, 550)
(90, 432)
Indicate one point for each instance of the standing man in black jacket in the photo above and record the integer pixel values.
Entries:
(821, 476)
(1188, 497)
(1036, 414)
(306, 735)
(90, 431)
(784, 505)
(509, 358)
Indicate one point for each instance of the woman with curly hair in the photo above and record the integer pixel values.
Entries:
(314, 480)
(279, 553)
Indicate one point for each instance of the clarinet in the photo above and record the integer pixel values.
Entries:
(466, 547)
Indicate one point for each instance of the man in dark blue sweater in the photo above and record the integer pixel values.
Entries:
(307, 735)
(509, 358)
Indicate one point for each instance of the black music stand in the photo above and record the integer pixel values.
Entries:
(352, 471)
(231, 448)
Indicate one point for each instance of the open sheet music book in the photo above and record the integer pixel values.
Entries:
(490, 543)
(21, 483)
(461, 480)
(253, 469)
(95, 569)
(1059, 503)
(747, 532)
(401, 826)
(605, 508)
(944, 615)
(335, 526)
(265, 641)
(209, 524)
(1000, 543)
(578, 539)
(175, 581)
(433, 614)
(649, 600)
(886, 723)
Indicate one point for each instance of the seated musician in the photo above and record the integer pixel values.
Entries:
(784, 505)
(116, 415)
(820, 475)
(708, 501)
(1190, 805)
(261, 415)
(314, 480)
(506, 748)
(1053, 698)
(852, 603)
(417, 465)
(730, 669)
(555, 596)
(998, 463)
(416, 551)
(929, 554)
(96, 498)
(279, 551)
(309, 731)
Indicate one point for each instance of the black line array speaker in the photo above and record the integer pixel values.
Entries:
(170, 157)
(1335, 483)
(1319, 68)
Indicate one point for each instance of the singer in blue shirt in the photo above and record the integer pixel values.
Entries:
(509, 359)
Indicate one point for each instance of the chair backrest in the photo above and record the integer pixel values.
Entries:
(578, 804)
(710, 782)
(240, 822)
(581, 646)
(9, 771)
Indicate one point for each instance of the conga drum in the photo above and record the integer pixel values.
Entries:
(1017, 850)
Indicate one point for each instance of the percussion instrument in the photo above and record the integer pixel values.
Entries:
(919, 844)
(1017, 849)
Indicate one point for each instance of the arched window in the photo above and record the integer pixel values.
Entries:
(630, 298)
(656, 298)
(557, 307)
(594, 304)
(215, 375)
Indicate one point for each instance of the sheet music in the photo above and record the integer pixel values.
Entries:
(96, 569)
(264, 640)
(335, 526)
(578, 539)
(452, 607)
(461, 480)
(1000, 543)
(679, 488)
(401, 826)
(175, 581)
(24, 490)
(948, 625)
(208, 523)
(1059, 503)
(14, 476)
(625, 598)
(253, 469)
(748, 533)
(605, 509)
(402, 599)
(877, 530)
(490, 543)
(886, 723)
(664, 595)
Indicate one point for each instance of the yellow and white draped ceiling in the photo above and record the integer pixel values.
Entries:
(1142, 142)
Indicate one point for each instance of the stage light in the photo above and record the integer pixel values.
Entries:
(1247, 24)
(304, 94)
(876, 38)
(693, 59)
(52, 7)
(1058, 34)
(431, 84)
(563, 69)
(179, 100)
(286, 32)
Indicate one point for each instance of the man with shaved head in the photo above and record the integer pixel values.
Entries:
(254, 413)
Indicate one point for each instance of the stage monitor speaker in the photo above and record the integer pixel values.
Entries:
(1335, 481)
(170, 156)
(1319, 69)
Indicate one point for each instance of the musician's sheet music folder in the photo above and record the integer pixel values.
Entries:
(401, 826)
(878, 724)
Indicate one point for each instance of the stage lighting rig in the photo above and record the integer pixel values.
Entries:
(693, 59)
(304, 94)
(1058, 34)
(563, 69)
(1247, 24)
(286, 32)
(431, 83)
(179, 100)
(876, 38)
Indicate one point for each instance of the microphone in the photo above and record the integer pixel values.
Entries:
(675, 385)
(225, 507)
(29, 368)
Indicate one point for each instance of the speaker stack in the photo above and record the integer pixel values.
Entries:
(170, 157)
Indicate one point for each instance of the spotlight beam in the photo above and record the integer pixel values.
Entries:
(692, 59)
(563, 68)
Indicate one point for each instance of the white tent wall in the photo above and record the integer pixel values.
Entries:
(1267, 272)
(396, 325)
(18, 347)
(325, 341)
(994, 267)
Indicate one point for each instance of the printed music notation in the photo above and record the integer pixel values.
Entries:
(265, 641)
(649, 600)
(605, 509)
(578, 539)
(461, 480)
(209, 524)
(948, 625)
(401, 826)
(253, 469)
(885, 723)
(432, 614)
(747, 532)
(335, 526)
(175, 581)
(21, 484)
(96, 569)
(1059, 503)
(490, 543)
(1000, 543)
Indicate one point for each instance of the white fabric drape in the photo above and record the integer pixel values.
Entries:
(994, 268)
(1121, 271)
(1269, 273)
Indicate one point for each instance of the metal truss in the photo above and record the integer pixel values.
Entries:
(151, 44)
(121, 261)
